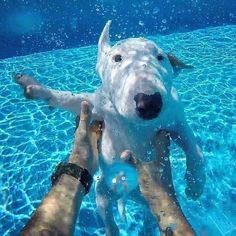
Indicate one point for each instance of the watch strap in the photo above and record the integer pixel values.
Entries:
(75, 171)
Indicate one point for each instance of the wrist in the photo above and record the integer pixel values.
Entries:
(77, 161)
(84, 163)
(71, 184)
(74, 171)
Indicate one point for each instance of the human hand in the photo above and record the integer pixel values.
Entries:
(154, 173)
(162, 148)
(156, 186)
(87, 139)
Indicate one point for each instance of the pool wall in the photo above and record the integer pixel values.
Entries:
(33, 26)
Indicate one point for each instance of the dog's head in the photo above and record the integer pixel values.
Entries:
(136, 75)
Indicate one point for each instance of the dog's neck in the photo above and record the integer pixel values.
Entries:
(120, 135)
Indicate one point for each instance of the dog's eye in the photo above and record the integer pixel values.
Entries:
(160, 57)
(117, 58)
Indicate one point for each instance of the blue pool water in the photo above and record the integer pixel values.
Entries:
(33, 26)
(33, 139)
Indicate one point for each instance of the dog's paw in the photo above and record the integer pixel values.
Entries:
(195, 184)
(24, 80)
(36, 92)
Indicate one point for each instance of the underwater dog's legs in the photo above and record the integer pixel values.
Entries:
(195, 174)
(105, 200)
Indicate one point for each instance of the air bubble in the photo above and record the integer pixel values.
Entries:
(141, 23)
(149, 155)
(155, 10)
(164, 21)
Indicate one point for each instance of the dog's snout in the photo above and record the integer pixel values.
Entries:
(148, 106)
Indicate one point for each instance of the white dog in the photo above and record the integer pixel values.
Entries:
(136, 99)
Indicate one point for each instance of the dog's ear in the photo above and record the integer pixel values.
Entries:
(177, 64)
(104, 40)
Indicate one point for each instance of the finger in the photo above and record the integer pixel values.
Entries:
(84, 111)
(96, 126)
(96, 129)
(129, 158)
(77, 120)
(84, 118)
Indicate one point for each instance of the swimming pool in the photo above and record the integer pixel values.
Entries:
(33, 138)
(36, 26)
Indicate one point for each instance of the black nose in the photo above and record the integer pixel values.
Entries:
(148, 106)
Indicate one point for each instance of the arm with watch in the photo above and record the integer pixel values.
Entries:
(70, 182)
(58, 211)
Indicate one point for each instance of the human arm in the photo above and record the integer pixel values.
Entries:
(58, 212)
(156, 185)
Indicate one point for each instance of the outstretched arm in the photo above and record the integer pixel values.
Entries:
(55, 98)
(195, 174)
(58, 212)
(155, 181)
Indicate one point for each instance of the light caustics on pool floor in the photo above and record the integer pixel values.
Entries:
(33, 138)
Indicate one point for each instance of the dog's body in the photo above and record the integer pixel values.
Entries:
(136, 99)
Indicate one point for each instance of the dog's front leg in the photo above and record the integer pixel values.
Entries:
(65, 100)
(195, 174)
(55, 98)
(104, 200)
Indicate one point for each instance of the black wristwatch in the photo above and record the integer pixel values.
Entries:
(75, 171)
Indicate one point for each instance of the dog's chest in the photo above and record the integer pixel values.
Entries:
(118, 138)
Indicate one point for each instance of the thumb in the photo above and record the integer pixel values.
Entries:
(84, 111)
(82, 129)
(129, 158)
